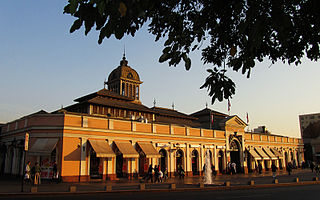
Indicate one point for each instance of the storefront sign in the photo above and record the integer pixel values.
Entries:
(180, 145)
(163, 145)
(26, 142)
(194, 145)
(221, 147)
(209, 146)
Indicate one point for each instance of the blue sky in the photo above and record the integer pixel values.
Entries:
(43, 66)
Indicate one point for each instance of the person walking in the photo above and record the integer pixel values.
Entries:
(165, 174)
(150, 175)
(37, 174)
(27, 172)
(311, 166)
(234, 168)
(156, 174)
(274, 170)
(181, 172)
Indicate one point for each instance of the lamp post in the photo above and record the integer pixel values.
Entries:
(25, 149)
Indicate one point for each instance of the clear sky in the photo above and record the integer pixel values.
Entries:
(43, 66)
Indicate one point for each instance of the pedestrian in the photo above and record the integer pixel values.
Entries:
(274, 170)
(165, 174)
(214, 172)
(160, 177)
(55, 175)
(150, 175)
(234, 168)
(317, 169)
(37, 174)
(259, 168)
(27, 172)
(311, 166)
(229, 168)
(156, 174)
(181, 172)
(289, 168)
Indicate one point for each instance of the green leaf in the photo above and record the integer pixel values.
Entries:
(187, 61)
(164, 57)
(76, 25)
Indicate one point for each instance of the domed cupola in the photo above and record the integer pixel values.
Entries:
(125, 81)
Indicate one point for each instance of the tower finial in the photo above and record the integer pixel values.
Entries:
(124, 61)
(172, 105)
(124, 52)
(154, 102)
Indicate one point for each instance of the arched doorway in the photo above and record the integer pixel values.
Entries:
(194, 161)
(235, 154)
(220, 161)
(249, 161)
(95, 166)
(163, 159)
(179, 159)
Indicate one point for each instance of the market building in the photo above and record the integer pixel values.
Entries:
(110, 134)
(310, 133)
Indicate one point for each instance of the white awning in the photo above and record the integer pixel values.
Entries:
(254, 154)
(277, 153)
(270, 154)
(148, 150)
(102, 148)
(261, 153)
(42, 146)
(126, 149)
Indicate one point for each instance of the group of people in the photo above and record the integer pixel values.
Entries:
(33, 174)
(156, 173)
(232, 168)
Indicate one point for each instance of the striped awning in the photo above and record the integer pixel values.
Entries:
(126, 149)
(102, 148)
(254, 154)
(270, 154)
(277, 153)
(149, 150)
(42, 146)
(261, 153)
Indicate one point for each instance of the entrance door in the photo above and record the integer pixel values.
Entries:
(235, 155)
(95, 166)
(163, 159)
(194, 161)
(249, 161)
(179, 159)
(220, 161)
(143, 165)
(119, 166)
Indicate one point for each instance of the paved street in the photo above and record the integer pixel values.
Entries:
(11, 187)
(293, 193)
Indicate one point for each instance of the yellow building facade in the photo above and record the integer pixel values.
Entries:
(109, 134)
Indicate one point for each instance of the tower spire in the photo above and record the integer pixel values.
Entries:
(124, 61)
(124, 52)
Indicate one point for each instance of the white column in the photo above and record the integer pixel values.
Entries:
(83, 164)
(188, 167)
(215, 158)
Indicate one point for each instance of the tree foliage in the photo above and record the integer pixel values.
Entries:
(238, 33)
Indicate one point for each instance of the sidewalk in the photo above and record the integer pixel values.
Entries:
(13, 185)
